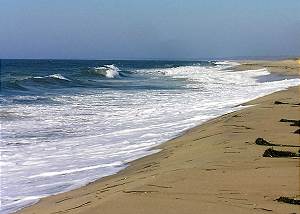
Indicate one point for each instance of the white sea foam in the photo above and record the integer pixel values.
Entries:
(94, 135)
(231, 63)
(110, 71)
(64, 172)
(54, 76)
(58, 76)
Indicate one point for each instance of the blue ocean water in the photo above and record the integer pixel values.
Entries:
(65, 123)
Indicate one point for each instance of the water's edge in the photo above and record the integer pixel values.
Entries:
(158, 148)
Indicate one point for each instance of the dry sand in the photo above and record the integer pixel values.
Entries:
(212, 168)
(289, 66)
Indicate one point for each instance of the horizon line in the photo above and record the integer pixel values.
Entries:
(166, 59)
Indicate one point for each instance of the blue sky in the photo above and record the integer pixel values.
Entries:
(145, 29)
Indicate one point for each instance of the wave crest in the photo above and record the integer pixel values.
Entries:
(48, 78)
(56, 76)
(26, 83)
(109, 71)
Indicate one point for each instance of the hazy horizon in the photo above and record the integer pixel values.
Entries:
(237, 58)
(144, 30)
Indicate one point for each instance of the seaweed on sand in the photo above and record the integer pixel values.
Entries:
(263, 142)
(294, 122)
(274, 153)
(288, 200)
(279, 102)
(297, 131)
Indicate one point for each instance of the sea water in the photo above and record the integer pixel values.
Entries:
(65, 123)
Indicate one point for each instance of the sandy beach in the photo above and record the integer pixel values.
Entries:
(217, 167)
(287, 66)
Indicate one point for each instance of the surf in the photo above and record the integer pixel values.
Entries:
(108, 71)
(79, 126)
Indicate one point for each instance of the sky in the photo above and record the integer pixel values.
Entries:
(149, 29)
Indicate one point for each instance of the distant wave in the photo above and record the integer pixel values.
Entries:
(108, 71)
(24, 84)
(52, 76)
(58, 80)
(226, 64)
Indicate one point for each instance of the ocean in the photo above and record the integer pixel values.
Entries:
(65, 123)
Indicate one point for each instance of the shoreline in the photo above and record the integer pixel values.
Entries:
(162, 181)
(287, 67)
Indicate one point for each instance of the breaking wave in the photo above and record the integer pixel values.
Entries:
(30, 82)
(108, 71)
(56, 140)
(86, 78)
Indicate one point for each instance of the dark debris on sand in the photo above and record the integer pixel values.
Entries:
(279, 102)
(294, 122)
(297, 131)
(288, 200)
(274, 153)
(263, 142)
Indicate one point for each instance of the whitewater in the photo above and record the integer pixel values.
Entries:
(67, 123)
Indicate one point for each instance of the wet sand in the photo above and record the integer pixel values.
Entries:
(213, 168)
